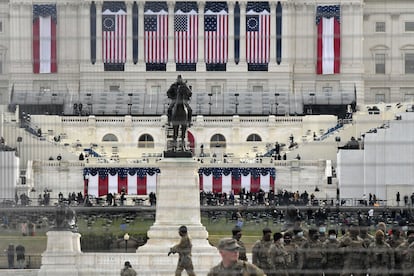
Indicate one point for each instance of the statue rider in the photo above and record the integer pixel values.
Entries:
(172, 94)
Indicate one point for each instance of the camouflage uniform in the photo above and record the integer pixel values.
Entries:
(355, 257)
(394, 242)
(277, 259)
(310, 255)
(292, 258)
(241, 268)
(260, 251)
(332, 257)
(183, 248)
(381, 258)
(260, 254)
(405, 252)
(237, 233)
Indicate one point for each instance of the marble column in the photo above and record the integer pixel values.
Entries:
(129, 63)
(230, 60)
(99, 34)
(171, 61)
(272, 60)
(242, 63)
(85, 35)
(141, 47)
(201, 64)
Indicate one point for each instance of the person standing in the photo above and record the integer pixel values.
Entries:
(292, 258)
(20, 256)
(260, 251)
(355, 257)
(381, 257)
(332, 257)
(183, 248)
(230, 263)
(398, 198)
(237, 234)
(278, 256)
(10, 255)
(310, 254)
(128, 270)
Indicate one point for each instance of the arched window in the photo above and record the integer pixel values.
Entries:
(110, 138)
(217, 141)
(146, 141)
(254, 138)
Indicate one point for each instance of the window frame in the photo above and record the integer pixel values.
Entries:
(380, 26)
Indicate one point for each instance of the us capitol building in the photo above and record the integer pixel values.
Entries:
(94, 74)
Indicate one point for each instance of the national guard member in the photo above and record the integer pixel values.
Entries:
(381, 257)
(332, 257)
(405, 252)
(237, 234)
(355, 255)
(260, 251)
(292, 258)
(310, 254)
(230, 264)
(278, 256)
(183, 248)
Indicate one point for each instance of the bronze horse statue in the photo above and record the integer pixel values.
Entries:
(180, 117)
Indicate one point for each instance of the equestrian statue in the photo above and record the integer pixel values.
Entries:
(179, 113)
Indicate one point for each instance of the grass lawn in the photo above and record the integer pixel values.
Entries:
(118, 226)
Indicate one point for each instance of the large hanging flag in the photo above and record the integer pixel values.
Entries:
(257, 32)
(328, 20)
(156, 32)
(216, 23)
(186, 32)
(278, 32)
(44, 39)
(93, 31)
(114, 33)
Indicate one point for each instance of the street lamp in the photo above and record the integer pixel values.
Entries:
(19, 140)
(237, 101)
(126, 238)
(209, 103)
(130, 104)
(276, 102)
(89, 103)
(311, 101)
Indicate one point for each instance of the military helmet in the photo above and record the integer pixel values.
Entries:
(183, 229)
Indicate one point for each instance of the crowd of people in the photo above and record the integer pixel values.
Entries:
(280, 197)
(319, 251)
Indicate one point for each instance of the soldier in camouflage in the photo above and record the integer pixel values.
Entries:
(381, 257)
(332, 255)
(237, 234)
(183, 248)
(260, 251)
(310, 254)
(355, 255)
(230, 264)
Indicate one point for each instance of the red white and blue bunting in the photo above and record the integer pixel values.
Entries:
(142, 181)
(134, 181)
(225, 180)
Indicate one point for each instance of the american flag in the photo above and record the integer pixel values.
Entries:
(328, 20)
(216, 32)
(257, 32)
(44, 39)
(114, 33)
(186, 32)
(156, 32)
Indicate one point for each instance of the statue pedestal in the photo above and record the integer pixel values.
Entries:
(178, 203)
(62, 254)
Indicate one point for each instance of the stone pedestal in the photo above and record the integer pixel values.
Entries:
(62, 254)
(178, 203)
